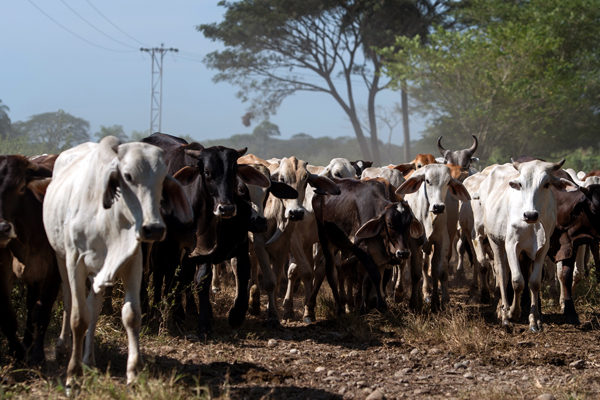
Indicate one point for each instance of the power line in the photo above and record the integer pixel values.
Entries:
(94, 26)
(75, 34)
(112, 23)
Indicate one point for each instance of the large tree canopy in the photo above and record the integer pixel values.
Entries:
(523, 76)
(56, 131)
(274, 48)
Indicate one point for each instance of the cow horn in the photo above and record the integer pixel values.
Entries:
(558, 165)
(473, 146)
(439, 143)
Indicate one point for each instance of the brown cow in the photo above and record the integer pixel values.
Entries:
(363, 222)
(22, 237)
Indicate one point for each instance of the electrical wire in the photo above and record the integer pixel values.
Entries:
(75, 34)
(113, 24)
(95, 27)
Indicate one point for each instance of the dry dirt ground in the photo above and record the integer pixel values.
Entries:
(458, 353)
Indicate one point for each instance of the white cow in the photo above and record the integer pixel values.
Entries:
(519, 218)
(103, 202)
(426, 192)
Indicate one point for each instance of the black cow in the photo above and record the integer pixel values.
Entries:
(360, 166)
(222, 219)
(26, 253)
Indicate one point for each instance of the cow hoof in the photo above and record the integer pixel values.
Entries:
(215, 289)
(288, 315)
(272, 323)
(254, 309)
(236, 318)
(534, 329)
(507, 326)
(572, 319)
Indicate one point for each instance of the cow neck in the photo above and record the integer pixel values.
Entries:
(207, 224)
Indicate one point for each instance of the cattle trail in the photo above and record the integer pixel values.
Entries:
(453, 354)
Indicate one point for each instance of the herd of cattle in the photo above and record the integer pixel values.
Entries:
(141, 211)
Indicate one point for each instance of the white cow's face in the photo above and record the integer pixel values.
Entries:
(142, 173)
(293, 172)
(533, 185)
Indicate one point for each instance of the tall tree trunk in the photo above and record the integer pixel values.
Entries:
(373, 118)
(360, 137)
(405, 123)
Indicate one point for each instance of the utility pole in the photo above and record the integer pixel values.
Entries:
(157, 53)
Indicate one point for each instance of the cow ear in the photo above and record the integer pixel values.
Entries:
(186, 175)
(111, 185)
(563, 184)
(411, 185)
(368, 164)
(323, 185)
(282, 190)
(241, 152)
(38, 188)
(458, 190)
(251, 176)
(370, 229)
(36, 171)
(416, 229)
(176, 202)
(404, 168)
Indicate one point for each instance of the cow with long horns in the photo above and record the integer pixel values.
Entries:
(459, 157)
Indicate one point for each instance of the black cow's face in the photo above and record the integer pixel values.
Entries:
(458, 157)
(16, 172)
(218, 169)
(400, 225)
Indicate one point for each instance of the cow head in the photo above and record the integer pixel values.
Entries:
(437, 182)
(18, 176)
(533, 183)
(458, 157)
(396, 225)
(293, 172)
(218, 170)
(339, 168)
(257, 196)
(360, 166)
(137, 173)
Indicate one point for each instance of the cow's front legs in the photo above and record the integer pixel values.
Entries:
(202, 281)
(79, 315)
(8, 317)
(131, 314)
(500, 268)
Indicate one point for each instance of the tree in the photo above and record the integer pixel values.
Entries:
(266, 129)
(115, 130)
(56, 131)
(275, 48)
(4, 121)
(522, 76)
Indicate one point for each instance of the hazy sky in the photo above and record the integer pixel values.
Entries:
(101, 76)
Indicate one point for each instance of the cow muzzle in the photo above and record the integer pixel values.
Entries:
(438, 208)
(402, 254)
(7, 233)
(152, 233)
(225, 210)
(531, 216)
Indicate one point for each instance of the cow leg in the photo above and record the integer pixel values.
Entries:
(535, 283)
(566, 279)
(42, 312)
(595, 250)
(33, 293)
(301, 269)
(254, 301)
(426, 274)
(416, 270)
(442, 267)
(94, 305)
(202, 280)
(131, 313)
(329, 272)
(79, 315)
(237, 313)
(8, 317)
(374, 275)
(518, 282)
(268, 279)
(61, 349)
(500, 270)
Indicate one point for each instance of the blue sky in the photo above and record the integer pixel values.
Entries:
(106, 79)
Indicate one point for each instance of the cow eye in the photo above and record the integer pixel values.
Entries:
(207, 173)
(546, 185)
(128, 177)
(427, 181)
